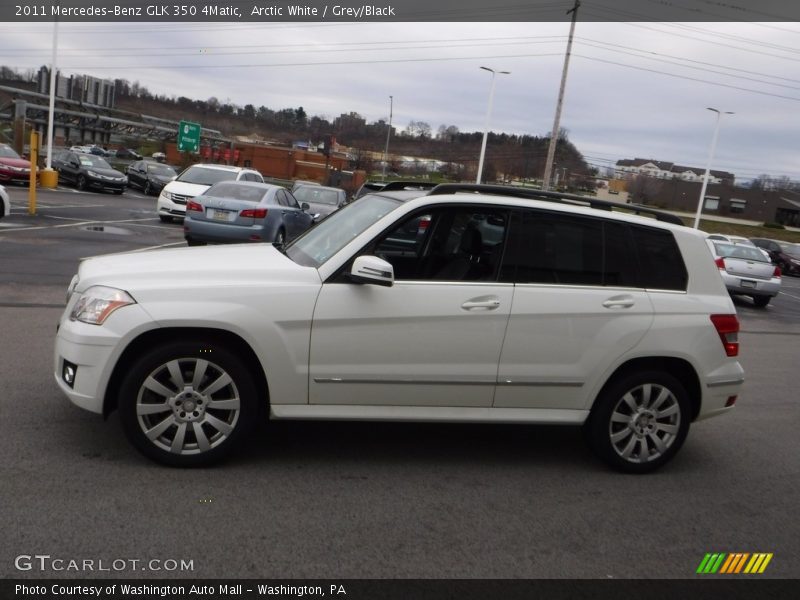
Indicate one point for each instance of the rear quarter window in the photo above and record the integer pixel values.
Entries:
(661, 264)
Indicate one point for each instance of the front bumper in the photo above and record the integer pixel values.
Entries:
(167, 207)
(94, 351)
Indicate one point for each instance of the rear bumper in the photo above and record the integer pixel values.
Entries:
(761, 287)
(207, 231)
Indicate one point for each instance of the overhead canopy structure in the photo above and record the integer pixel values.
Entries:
(82, 121)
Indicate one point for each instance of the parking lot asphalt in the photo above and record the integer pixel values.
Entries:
(357, 500)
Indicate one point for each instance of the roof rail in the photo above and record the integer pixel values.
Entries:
(408, 185)
(548, 196)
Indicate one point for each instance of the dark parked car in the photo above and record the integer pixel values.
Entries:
(150, 177)
(244, 211)
(127, 153)
(88, 171)
(12, 166)
(783, 254)
(321, 200)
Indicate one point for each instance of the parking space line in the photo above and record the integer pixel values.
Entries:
(782, 293)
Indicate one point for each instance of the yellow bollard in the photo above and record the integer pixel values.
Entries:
(34, 158)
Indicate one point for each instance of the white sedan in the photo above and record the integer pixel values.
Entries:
(5, 203)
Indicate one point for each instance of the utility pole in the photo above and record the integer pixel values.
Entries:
(551, 150)
(388, 133)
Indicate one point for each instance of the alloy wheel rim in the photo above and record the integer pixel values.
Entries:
(188, 406)
(644, 423)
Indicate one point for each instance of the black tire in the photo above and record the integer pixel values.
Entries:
(761, 301)
(200, 432)
(81, 182)
(165, 219)
(118, 192)
(147, 189)
(627, 431)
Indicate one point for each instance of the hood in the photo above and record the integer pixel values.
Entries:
(15, 162)
(165, 179)
(154, 273)
(106, 172)
(185, 189)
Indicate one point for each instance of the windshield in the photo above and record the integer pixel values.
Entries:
(205, 176)
(163, 170)
(329, 236)
(237, 191)
(8, 152)
(793, 249)
(316, 195)
(90, 160)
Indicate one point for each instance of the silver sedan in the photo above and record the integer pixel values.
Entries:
(746, 271)
(244, 211)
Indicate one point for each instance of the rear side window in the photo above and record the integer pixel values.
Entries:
(568, 250)
(660, 261)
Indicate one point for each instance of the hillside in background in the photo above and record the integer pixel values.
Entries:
(507, 156)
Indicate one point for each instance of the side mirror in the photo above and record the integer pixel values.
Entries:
(305, 206)
(371, 269)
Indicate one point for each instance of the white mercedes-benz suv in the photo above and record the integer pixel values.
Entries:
(470, 304)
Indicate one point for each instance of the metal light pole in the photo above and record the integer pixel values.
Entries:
(488, 116)
(388, 134)
(708, 166)
(51, 110)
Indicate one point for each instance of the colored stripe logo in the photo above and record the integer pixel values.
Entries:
(734, 563)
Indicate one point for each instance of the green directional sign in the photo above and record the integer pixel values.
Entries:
(188, 137)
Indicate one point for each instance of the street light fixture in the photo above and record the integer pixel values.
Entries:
(708, 165)
(488, 116)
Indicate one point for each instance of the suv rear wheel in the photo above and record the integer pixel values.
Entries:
(188, 404)
(640, 421)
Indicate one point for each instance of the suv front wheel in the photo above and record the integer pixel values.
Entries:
(188, 404)
(640, 421)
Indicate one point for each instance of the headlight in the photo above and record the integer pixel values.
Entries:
(97, 303)
(72, 285)
(92, 174)
(795, 261)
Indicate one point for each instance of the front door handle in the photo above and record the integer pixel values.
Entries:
(486, 303)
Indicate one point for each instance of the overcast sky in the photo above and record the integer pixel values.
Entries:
(633, 90)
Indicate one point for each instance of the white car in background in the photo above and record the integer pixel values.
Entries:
(195, 180)
(566, 314)
(5, 203)
(746, 271)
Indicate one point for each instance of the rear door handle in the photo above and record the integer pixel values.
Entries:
(489, 303)
(619, 302)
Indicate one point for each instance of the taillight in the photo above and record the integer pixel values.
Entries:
(720, 262)
(777, 272)
(195, 206)
(727, 327)
(254, 213)
(423, 224)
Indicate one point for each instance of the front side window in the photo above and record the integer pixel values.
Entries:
(445, 244)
